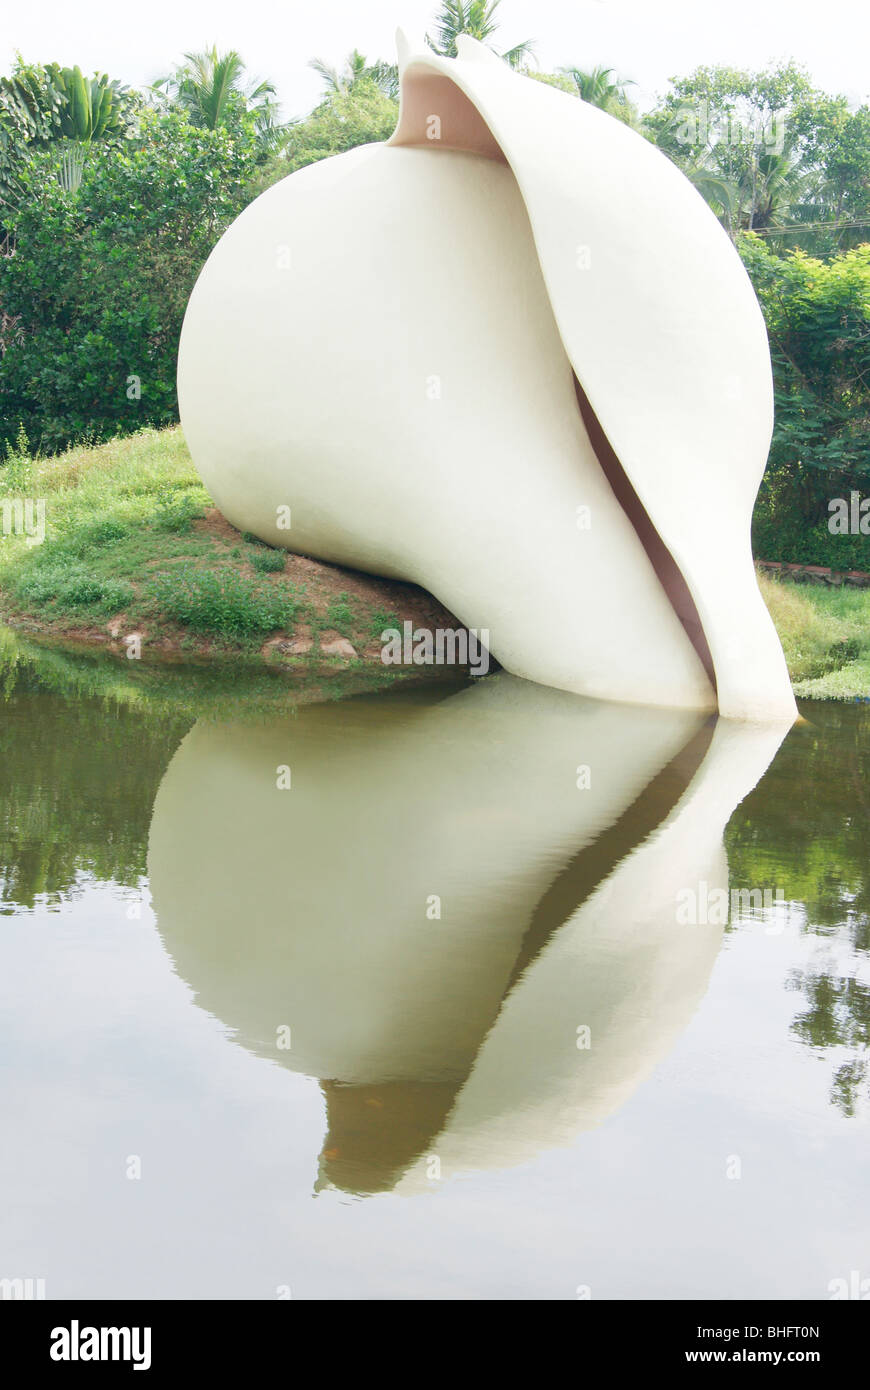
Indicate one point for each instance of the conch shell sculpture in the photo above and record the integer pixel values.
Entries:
(511, 356)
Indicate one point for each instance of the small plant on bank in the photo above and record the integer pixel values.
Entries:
(268, 561)
(381, 620)
(71, 588)
(94, 535)
(224, 602)
(17, 468)
(340, 616)
(176, 511)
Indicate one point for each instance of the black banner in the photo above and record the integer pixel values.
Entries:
(214, 1338)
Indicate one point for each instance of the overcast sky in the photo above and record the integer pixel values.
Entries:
(647, 40)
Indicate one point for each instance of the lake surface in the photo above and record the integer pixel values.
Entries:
(426, 993)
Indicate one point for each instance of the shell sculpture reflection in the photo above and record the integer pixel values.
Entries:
(511, 356)
(456, 1034)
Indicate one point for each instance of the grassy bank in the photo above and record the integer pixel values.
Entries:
(825, 634)
(134, 545)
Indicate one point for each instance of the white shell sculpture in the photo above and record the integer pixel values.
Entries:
(510, 356)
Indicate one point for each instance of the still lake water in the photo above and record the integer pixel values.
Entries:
(433, 1020)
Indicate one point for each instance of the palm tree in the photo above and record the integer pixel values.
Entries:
(357, 69)
(770, 187)
(756, 191)
(212, 87)
(476, 18)
(722, 194)
(599, 87)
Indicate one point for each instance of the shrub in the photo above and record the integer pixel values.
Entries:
(269, 561)
(381, 620)
(55, 582)
(176, 512)
(342, 121)
(818, 322)
(224, 602)
(93, 535)
(100, 278)
(339, 614)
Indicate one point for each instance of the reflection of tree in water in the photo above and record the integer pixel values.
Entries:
(805, 828)
(838, 1016)
(77, 782)
(85, 739)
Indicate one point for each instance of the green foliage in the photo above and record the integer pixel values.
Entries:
(16, 470)
(818, 322)
(58, 585)
(269, 561)
(357, 71)
(736, 127)
(555, 79)
(29, 119)
(822, 630)
(476, 19)
(61, 110)
(94, 535)
(89, 108)
(105, 730)
(819, 854)
(381, 620)
(84, 805)
(599, 87)
(771, 153)
(176, 511)
(214, 91)
(837, 145)
(360, 115)
(100, 279)
(339, 615)
(224, 602)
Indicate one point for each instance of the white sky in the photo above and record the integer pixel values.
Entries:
(648, 40)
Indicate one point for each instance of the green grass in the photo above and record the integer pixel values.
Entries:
(381, 620)
(268, 561)
(224, 602)
(73, 589)
(825, 634)
(340, 616)
(122, 539)
(125, 545)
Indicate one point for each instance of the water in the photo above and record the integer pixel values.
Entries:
(452, 1015)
